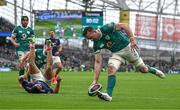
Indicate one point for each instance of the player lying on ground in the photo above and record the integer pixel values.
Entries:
(119, 39)
(40, 82)
(40, 60)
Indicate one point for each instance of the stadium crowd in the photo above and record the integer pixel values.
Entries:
(73, 59)
(8, 56)
(5, 26)
(76, 60)
(7, 51)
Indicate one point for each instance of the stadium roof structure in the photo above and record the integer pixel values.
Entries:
(167, 7)
(15, 8)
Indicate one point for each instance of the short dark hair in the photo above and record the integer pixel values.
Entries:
(24, 18)
(86, 29)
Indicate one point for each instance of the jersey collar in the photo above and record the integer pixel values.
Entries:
(24, 27)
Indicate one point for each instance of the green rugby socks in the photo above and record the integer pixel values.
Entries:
(151, 70)
(21, 72)
(110, 84)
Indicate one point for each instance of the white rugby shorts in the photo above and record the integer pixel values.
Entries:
(125, 54)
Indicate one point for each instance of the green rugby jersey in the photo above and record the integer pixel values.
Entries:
(111, 39)
(40, 58)
(22, 34)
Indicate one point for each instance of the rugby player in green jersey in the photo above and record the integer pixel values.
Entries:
(19, 39)
(119, 39)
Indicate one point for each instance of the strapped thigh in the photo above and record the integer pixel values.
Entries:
(115, 61)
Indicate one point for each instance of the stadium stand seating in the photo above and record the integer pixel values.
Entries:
(5, 26)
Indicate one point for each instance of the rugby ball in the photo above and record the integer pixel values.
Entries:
(93, 89)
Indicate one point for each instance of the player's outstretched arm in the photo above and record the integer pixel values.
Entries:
(97, 67)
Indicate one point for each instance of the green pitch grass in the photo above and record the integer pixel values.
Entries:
(132, 91)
